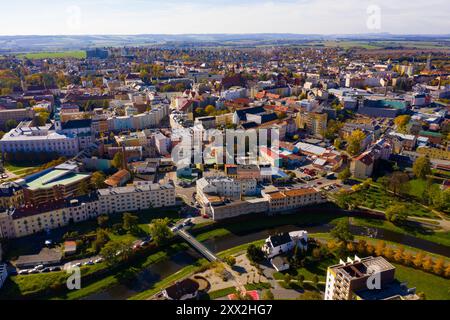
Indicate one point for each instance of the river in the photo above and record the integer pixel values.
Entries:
(178, 261)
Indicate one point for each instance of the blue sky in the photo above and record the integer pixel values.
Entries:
(53, 17)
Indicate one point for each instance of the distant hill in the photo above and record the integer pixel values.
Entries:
(32, 43)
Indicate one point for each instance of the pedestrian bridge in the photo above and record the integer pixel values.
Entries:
(198, 246)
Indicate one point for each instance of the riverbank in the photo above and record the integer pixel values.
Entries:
(153, 270)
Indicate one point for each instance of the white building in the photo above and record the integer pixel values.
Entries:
(39, 139)
(134, 198)
(162, 143)
(285, 242)
(234, 93)
(226, 187)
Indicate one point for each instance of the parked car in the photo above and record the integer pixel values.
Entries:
(23, 271)
(39, 267)
(98, 260)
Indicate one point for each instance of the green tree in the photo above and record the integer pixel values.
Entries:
(100, 240)
(254, 253)
(341, 231)
(422, 167)
(10, 124)
(103, 220)
(117, 161)
(160, 231)
(397, 213)
(230, 260)
(116, 251)
(397, 182)
(98, 179)
(345, 174)
(130, 221)
(210, 110)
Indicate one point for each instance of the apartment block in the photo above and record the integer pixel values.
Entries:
(370, 278)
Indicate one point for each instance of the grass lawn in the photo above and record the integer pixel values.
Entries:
(77, 54)
(426, 234)
(435, 287)
(377, 198)
(316, 268)
(219, 293)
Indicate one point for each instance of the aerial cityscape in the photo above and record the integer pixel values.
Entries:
(183, 159)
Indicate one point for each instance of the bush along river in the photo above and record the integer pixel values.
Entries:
(160, 270)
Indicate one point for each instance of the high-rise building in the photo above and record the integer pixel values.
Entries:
(313, 122)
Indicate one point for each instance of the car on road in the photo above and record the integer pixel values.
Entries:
(98, 260)
(187, 222)
(88, 263)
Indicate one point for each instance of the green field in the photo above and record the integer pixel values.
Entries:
(435, 288)
(376, 198)
(377, 44)
(54, 55)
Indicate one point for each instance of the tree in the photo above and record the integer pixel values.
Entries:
(315, 280)
(401, 122)
(341, 231)
(422, 167)
(10, 124)
(116, 251)
(427, 264)
(388, 253)
(230, 260)
(117, 161)
(397, 181)
(397, 213)
(300, 280)
(254, 253)
(345, 174)
(267, 295)
(102, 220)
(354, 142)
(398, 255)
(100, 240)
(130, 221)
(160, 231)
(210, 110)
(98, 179)
(408, 259)
(379, 248)
(83, 189)
(287, 280)
(439, 266)
(418, 260)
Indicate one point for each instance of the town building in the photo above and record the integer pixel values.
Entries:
(358, 278)
(283, 243)
(61, 182)
(285, 199)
